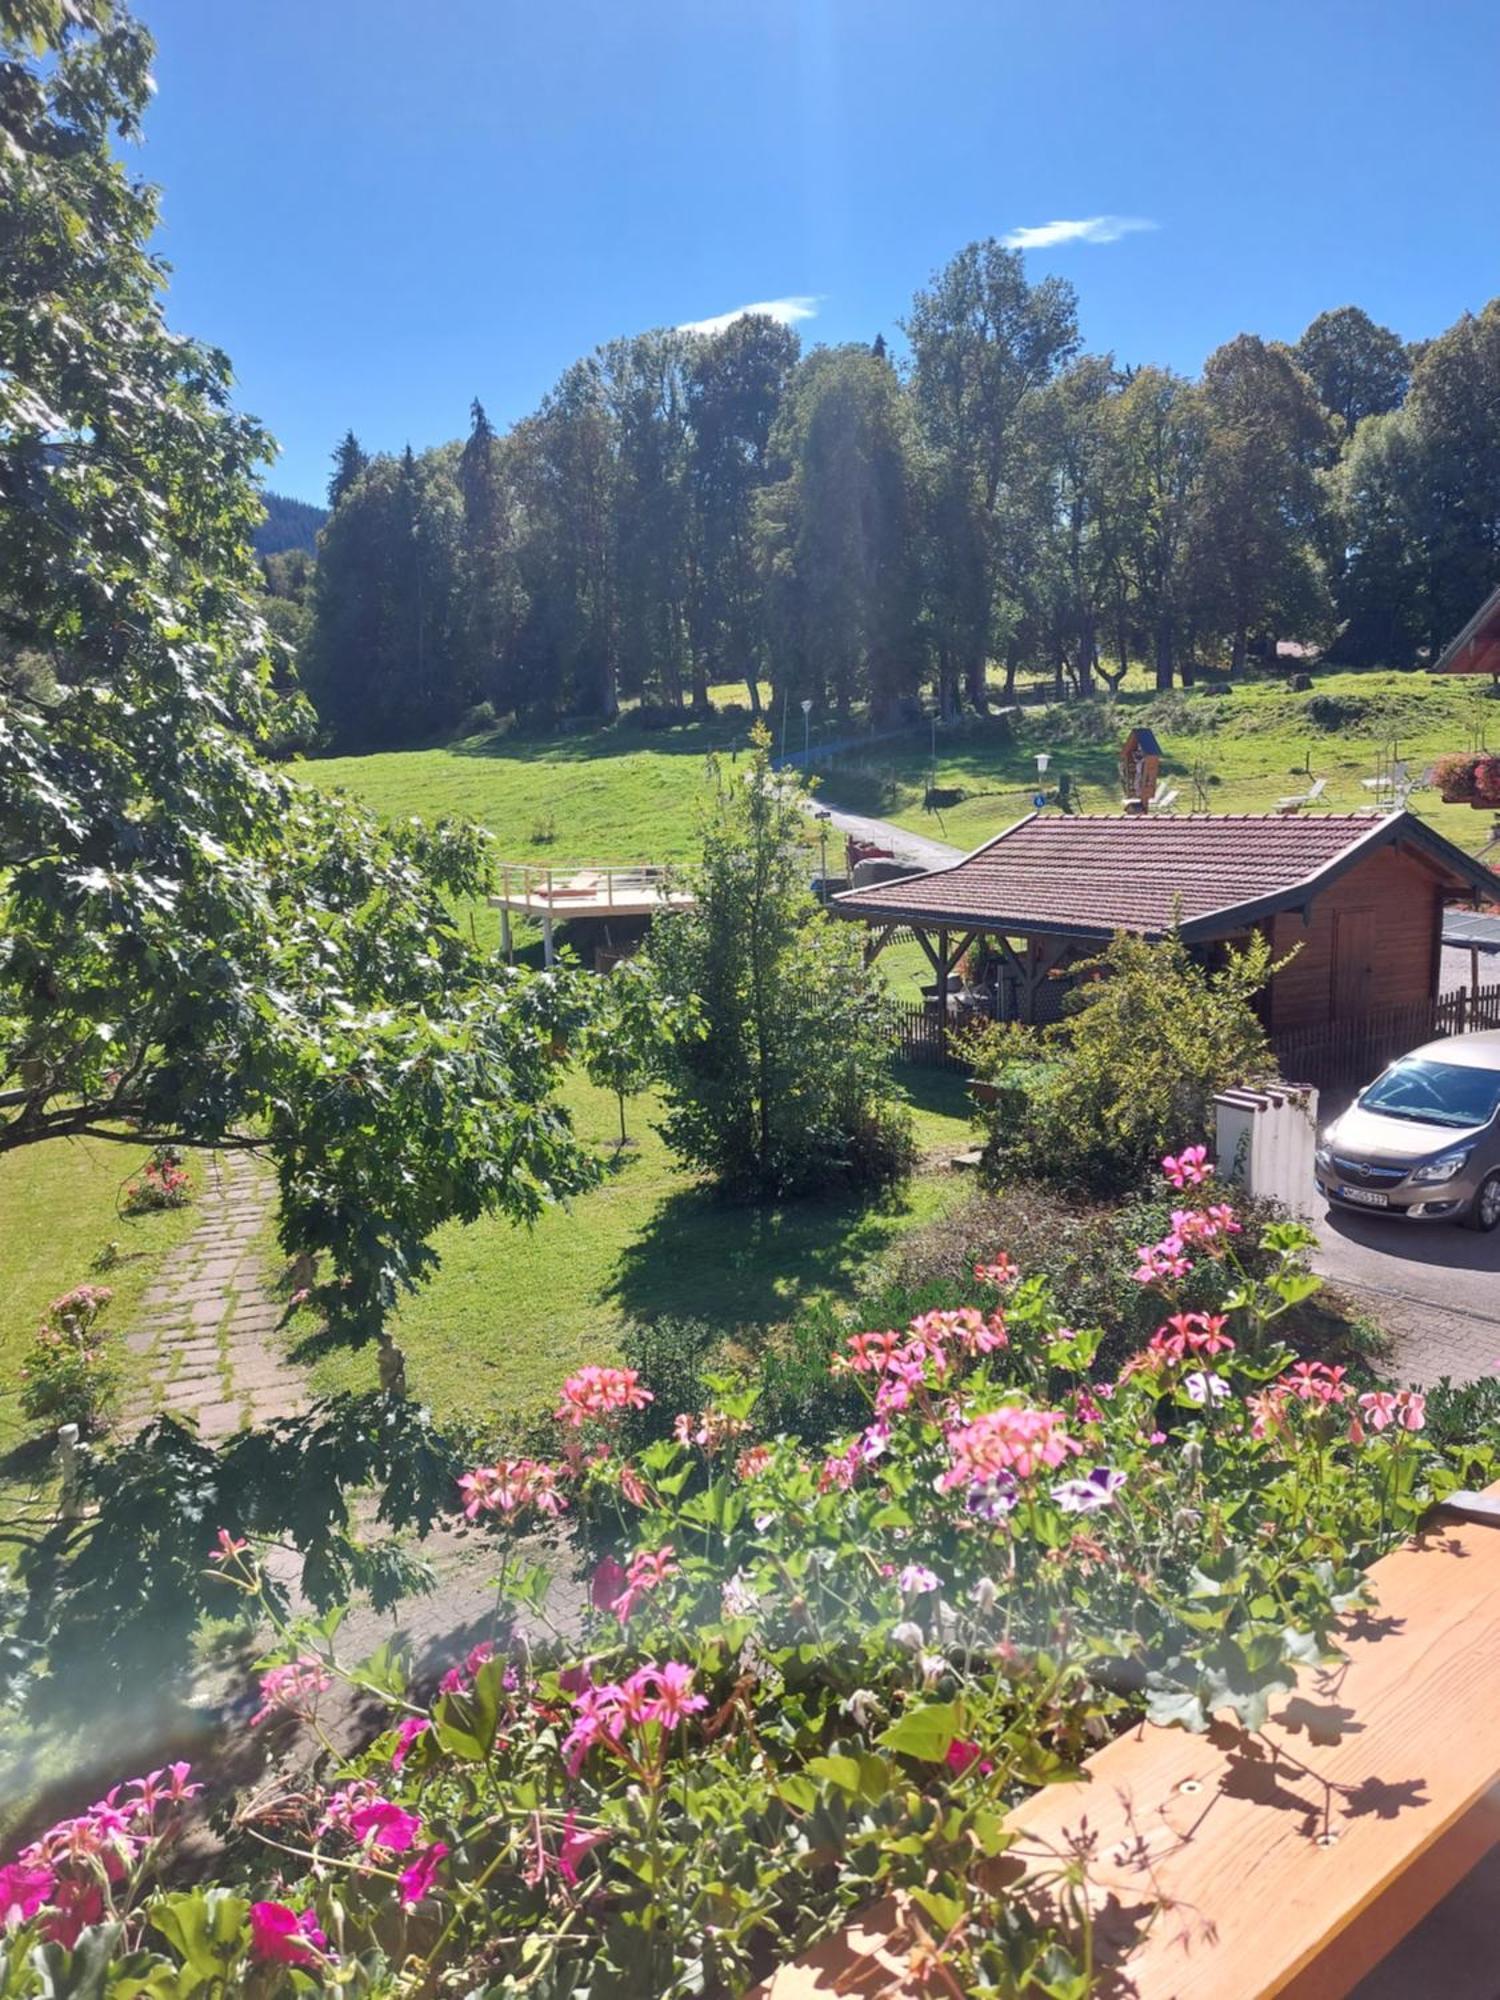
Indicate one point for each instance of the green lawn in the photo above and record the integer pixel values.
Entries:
(513, 1310)
(1248, 749)
(57, 1214)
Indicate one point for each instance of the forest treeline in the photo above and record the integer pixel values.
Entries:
(866, 528)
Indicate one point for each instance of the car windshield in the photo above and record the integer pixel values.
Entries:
(1435, 1093)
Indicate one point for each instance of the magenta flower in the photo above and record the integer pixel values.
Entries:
(25, 1888)
(411, 1729)
(228, 1548)
(278, 1936)
(916, 1579)
(574, 1846)
(379, 1823)
(675, 1700)
(415, 1882)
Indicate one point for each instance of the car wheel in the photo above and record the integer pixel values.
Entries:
(1483, 1211)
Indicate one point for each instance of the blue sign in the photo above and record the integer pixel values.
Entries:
(1039, 798)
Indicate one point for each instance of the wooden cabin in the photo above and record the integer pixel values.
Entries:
(1476, 649)
(1361, 896)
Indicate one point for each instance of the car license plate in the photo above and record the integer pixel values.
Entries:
(1366, 1197)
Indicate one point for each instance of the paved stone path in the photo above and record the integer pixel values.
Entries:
(209, 1319)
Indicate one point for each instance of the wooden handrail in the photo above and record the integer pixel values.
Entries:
(1234, 1866)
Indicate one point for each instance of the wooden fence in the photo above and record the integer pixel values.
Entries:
(1341, 1054)
(917, 1039)
(1335, 1056)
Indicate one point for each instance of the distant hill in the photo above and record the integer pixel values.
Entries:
(289, 524)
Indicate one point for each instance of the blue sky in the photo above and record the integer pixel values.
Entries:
(383, 208)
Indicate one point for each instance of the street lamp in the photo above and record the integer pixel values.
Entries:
(1043, 759)
(806, 731)
(823, 817)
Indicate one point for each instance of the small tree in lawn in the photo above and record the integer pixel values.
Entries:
(788, 1086)
(633, 1023)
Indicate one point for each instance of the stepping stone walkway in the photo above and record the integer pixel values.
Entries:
(210, 1317)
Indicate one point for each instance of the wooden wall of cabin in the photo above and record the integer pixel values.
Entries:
(1374, 940)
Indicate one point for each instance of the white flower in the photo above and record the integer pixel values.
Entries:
(1206, 1388)
(932, 1667)
(917, 1578)
(739, 1599)
(863, 1706)
(908, 1635)
(986, 1593)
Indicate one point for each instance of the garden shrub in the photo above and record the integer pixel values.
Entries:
(164, 1183)
(66, 1377)
(1088, 1104)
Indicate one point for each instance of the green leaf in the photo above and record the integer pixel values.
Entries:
(926, 1732)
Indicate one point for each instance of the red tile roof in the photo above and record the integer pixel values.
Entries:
(1091, 875)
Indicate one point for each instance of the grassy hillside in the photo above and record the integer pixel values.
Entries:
(1248, 748)
(618, 794)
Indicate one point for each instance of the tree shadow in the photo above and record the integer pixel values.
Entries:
(702, 1257)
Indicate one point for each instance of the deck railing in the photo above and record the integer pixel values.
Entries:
(559, 886)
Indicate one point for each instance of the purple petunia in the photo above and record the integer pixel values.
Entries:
(1087, 1495)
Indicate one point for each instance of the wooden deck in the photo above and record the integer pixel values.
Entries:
(584, 892)
(1229, 1866)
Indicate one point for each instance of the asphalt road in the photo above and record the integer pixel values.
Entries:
(1434, 1286)
(916, 848)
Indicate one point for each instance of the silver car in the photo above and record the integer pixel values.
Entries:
(1424, 1139)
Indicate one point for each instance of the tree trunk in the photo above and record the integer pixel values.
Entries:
(976, 681)
(1237, 656)
(1163, 655)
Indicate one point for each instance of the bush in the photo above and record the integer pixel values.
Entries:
(1090, 1104)
(801, 1680)
(481, 720)
(788, 1088)
(164, 1183)
(66, 1377)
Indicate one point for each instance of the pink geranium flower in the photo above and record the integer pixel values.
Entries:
(1189, 1168)
(600, 1392)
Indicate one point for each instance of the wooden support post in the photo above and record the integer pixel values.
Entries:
(548, 955)
(942, 998)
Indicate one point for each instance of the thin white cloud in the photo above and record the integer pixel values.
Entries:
(1087, 229)
(786, 312)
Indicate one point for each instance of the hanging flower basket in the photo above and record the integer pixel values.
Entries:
(1456, 778)
(1486, 781)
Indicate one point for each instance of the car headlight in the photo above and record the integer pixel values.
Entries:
(1443, 1168)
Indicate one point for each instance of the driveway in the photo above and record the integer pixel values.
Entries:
(1434, 1286)
(913, 847)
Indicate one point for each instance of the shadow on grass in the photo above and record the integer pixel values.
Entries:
(689, 738)
(701, 1257)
